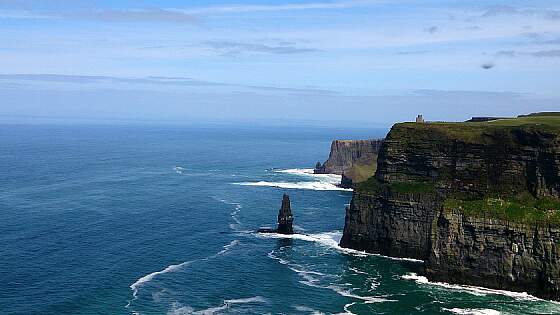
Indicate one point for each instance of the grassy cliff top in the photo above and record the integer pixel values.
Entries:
(475, 131)
(523, 208)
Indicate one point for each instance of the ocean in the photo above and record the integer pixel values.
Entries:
(149, 219)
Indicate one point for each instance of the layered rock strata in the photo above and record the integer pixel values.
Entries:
(450, 194)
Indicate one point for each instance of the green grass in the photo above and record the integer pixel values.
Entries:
(477, 132)
(522, 209)
(362, 170)
(369, 186)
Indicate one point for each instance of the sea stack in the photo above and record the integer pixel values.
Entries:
(285, 217)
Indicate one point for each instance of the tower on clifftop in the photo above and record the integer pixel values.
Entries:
(420, 119)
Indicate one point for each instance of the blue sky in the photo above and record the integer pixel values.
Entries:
(363, 62)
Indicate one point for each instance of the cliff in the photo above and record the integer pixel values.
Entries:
(355, 159)
(477, 201)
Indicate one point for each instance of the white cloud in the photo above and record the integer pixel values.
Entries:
(281, 7)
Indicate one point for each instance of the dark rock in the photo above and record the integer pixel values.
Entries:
(495, 253)
(345, 182)
(285, 219)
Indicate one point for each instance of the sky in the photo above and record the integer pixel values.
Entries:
(339, 62)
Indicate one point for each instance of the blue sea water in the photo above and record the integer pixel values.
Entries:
(145, 219)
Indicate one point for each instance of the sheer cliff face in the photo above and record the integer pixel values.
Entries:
(495, 253)
(389, 223)
(474, 161)
(403, 212)
(354, 158)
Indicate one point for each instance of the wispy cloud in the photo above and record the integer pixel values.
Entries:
(554, 53)
(412, 52)
(500, 10)
(506, 53)
(107, 15)
(326, 5)
(546, 53)
(24, 15)
(176, 15)
(150, 80)
(136, 15)
(234, 48)
(555, 41)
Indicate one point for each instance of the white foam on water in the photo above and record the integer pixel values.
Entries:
(479, 291)
(306, 309)
(308, 172)
(173, 268)
(228, 247)
(367, 299)
(332, 240)
(346, 308)
(178, 309)
(319, 181)
(357, 271)
(309, 279)
(147, 278)
(295, 185)
(233, 214)
(472, 311)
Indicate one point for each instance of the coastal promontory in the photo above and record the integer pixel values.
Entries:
(477, 201)
(355, 160)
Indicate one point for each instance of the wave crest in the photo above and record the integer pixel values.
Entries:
(173, 268)
(332, 240)
(479, 291)
(178, 309)
(314, 182)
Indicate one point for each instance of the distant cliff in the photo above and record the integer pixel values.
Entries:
(356, 160)
(477, 201)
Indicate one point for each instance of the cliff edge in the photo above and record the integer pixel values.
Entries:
(477, 201)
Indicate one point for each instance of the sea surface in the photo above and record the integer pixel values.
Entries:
(145, 219)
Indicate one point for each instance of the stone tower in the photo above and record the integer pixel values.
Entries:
(285, 217)
(420, 119)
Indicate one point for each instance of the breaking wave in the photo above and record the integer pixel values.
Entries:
(173, 268)
(179, 309)
(479, 291)
(316, 279)
(295, 185)
(472, 311)
(331, 239)
(314, 182)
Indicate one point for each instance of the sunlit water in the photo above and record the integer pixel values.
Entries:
(160, 220)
